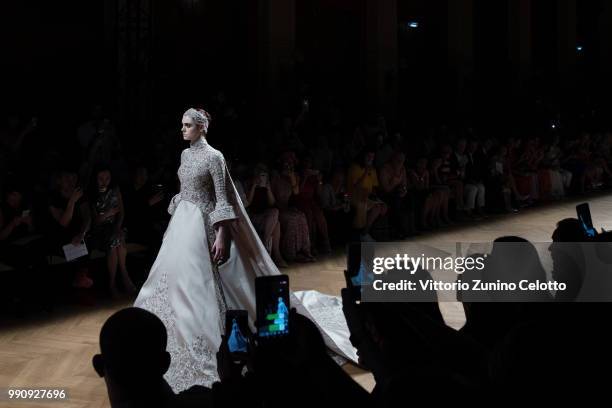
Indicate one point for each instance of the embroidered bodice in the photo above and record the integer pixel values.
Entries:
(205, 182)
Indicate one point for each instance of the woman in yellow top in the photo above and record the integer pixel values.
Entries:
(362, 183)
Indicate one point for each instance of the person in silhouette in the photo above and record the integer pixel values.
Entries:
(133, 360)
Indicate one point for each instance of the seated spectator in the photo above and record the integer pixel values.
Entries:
(475, 171)
(560, 179)
(500, 182)
(15, 216)
(428, 200)
(525, 170)
(22, 249)
(322, 155)
(362, 184)
(307, 202)
(336, 205)
(69, 222)
(260, 203)
(354, 146)
(580, 163)
(396, 194)
(107, 232)
(133, 360)
(384, 150)
(442, 189)
(446, 176)
(295, 238)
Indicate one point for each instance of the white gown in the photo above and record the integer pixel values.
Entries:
(190, 294)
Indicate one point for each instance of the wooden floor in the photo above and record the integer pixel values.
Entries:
(55, 350)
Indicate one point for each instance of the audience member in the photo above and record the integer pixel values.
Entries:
(133, 360)
(107, 232)
(362, 185)
(260, 202)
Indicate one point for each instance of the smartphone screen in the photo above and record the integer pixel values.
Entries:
(584, 216)
(272, 303)
(237, 332)
(358, 268)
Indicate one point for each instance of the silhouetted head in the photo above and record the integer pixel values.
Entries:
(133, 352)
(569, 230)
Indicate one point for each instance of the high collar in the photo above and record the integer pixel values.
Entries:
(199, 144)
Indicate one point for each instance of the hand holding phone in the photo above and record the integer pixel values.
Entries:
(584, 216)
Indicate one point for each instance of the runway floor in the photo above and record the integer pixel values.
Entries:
(55, 351)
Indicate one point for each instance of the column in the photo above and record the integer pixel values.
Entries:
(461, 49)
(381, 57)
(519, 42)
(566, 43)
(605, 45)
(276, 45)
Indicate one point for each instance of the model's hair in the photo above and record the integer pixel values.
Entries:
(200, 117)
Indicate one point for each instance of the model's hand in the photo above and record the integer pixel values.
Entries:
(220, 249)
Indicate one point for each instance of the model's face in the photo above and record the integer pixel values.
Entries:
(191, 131)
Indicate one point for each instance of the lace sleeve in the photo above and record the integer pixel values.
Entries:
(224, 192)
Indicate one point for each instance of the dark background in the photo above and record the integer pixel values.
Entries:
(469, 61)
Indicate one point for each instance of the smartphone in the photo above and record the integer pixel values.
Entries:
(237, 333)
(25, 213)
(584, 216)
(358, 268)
(272, 304)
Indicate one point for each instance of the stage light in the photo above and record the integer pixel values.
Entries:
(579, 48)
(413, 24)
